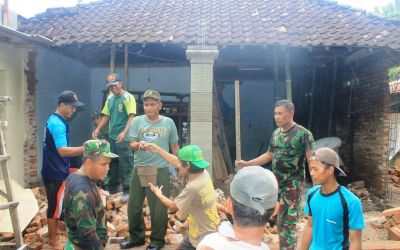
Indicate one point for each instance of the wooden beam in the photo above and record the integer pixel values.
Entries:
(310, 115)
(126, 68)
(288, 76)
(112, 58)
(237, 121)
(332, 98)
(276, 74)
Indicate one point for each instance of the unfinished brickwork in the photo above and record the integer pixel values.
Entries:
(365, 129)
(30, 147)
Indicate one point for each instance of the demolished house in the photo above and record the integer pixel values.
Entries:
(331, 60)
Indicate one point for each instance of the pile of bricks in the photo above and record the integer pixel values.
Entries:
(395, 175)
(36, 233)
(392, 222)
(359, 189)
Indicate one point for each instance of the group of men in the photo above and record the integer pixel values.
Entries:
(151, 141)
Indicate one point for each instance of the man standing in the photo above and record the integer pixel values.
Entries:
(56, 154)
(119, 111)
(197, 201)
(254, 192)
(85, 216)
(328, 228)
(290, 145)
(160, 130)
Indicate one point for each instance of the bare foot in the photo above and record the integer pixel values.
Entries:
(56, 245)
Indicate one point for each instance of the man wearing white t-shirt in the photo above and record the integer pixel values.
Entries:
(254, 194)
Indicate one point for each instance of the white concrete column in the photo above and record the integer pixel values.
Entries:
(201, 101)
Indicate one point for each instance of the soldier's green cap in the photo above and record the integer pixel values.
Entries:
(96, 147)
(194, 155)
(96, 114)
(153, 94)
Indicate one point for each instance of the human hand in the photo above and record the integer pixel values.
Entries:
(95, 133)
(276, 209)
(121, 137)
(143, 145)
(155, 189)
(240, 163)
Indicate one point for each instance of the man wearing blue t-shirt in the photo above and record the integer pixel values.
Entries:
(56, 154)
(335, 217)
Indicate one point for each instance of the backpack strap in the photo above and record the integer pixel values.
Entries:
(346, 242)
(309, 199)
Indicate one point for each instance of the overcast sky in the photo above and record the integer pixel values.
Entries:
(29, 8)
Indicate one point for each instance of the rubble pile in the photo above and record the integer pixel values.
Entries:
(359, 189)
(394, 174)
(391, 222)
(36, 233)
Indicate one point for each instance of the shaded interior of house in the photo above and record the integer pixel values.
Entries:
(338, 92)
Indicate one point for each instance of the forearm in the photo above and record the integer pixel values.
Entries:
(355, 240)
(170, 204)
(70, 151)
(171, 158)
(307, 237)
(128, 124)
(103, 122)
(355, 245)
(261, 160)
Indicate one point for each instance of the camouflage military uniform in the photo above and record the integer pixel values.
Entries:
(85, 216)
(289, 152)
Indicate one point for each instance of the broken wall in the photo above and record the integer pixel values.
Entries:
(362, 120)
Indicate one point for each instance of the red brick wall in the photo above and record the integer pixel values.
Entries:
(30, 147)
(365, 133)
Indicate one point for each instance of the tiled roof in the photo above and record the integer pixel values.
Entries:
(298, 23)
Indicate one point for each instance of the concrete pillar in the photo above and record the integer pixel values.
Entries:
(201, 101)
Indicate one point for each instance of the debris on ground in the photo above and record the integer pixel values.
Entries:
(394, 174)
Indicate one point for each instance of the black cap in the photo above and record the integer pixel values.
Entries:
(69, 97)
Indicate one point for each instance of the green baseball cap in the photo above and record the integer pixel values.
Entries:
(95, 147)
(193, 154)
(152, 94)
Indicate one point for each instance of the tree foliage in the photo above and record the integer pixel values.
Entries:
(391, 10)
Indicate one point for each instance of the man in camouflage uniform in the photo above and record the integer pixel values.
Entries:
(84, 212)
(290, 145)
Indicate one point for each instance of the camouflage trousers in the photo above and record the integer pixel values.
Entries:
(289, 214)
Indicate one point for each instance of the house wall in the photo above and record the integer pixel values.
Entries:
(365, 133)
(162, 79)
(54, 74)
(12, 83)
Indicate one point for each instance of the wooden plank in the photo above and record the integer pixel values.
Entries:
(288, 76)
(126, 68)
(332, 98)
(237, 121)
(310, 116)
(112, 58)
(276, 74)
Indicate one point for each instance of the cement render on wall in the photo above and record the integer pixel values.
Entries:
(12, 83)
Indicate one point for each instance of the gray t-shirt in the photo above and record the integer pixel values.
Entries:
(162, 133)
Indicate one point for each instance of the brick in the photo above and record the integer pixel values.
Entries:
(396, 218)
(31, 229)
(391, 211)
(35, 246)
(394, 233)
